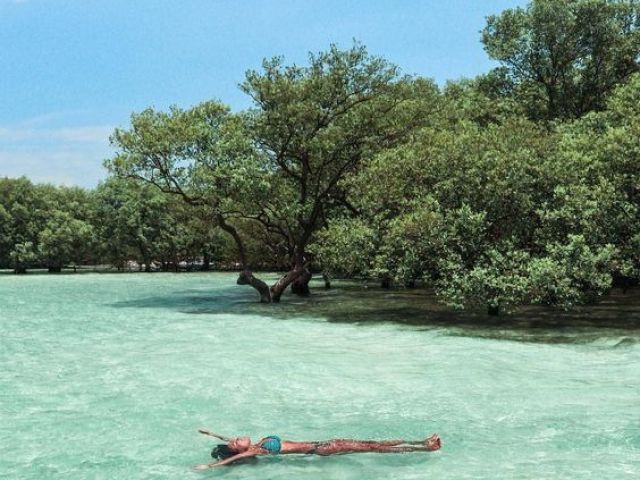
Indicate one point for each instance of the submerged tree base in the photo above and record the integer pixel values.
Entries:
(247, 278)
(272, 294)
(300, 285)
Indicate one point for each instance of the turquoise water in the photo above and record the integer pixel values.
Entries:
(109, 376)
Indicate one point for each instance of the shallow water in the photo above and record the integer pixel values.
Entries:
(109, 376)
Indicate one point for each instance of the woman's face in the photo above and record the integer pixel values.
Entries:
(240, 444)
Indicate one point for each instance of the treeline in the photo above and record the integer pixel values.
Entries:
(121, 223)
(519, 186)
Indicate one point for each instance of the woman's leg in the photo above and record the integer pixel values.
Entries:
(402, 449)
(344, 446)
(427, 445)
(433, 442)
(390, 443)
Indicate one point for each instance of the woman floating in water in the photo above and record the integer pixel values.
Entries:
(241, 447)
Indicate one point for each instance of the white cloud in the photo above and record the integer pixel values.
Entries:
(90, 134)
(55, 147)
(16, 134)
(81, 166)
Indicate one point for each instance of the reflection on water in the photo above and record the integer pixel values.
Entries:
(614, 322)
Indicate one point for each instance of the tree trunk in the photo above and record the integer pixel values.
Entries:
(247, 278)
(327, 280)
(300, 286)
(273, 294)
(281, 285)
(206, 263)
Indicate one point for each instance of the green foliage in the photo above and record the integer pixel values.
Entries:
(496, 211)
(23, 205)
(276, 172)
(42, 226)
(345, 248)
(497, 280)
(135, 217)
(202, 152)
(5, 233)
(572, 273)
(22, 256)
(564, 57)
(414, 245)
(65, 240)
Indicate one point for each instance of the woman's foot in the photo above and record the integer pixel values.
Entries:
(433, 443)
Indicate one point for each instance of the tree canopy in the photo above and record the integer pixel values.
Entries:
(279, 166)
(565, 56)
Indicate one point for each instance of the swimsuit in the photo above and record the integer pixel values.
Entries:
(272, 444)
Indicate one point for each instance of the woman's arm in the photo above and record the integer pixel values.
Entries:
(226, 461)
(216, 435)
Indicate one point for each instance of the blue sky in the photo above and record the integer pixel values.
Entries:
(72, 70)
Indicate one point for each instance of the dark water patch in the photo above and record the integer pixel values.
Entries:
(616, 319)
(626, 342)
